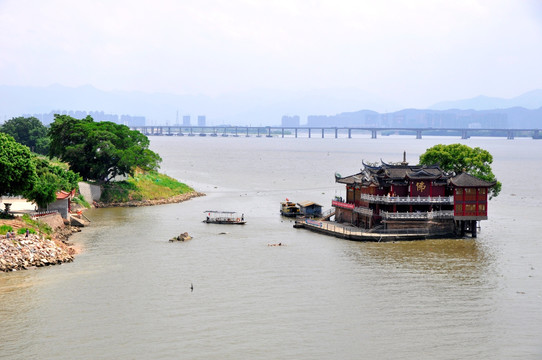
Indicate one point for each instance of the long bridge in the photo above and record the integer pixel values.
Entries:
(310, 131)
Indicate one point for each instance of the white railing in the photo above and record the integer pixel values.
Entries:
(417, 215)
(446, 200)
(44, 213)
(363, 211)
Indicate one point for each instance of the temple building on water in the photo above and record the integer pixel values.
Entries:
(408, 199)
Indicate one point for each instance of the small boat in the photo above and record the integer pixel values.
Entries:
(289, 208)
(224, 217)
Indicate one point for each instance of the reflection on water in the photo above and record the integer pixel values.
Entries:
(456, 257)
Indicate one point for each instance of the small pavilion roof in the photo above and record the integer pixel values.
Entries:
(65, 194)
(466, 180)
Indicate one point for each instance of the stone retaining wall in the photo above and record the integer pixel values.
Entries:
(90, 192)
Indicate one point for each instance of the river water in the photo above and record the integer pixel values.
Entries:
(128, 296)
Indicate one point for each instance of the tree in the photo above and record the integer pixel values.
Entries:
(51, 179)
(17, 169)
(459, 158)
(100, 150)
(28, 131)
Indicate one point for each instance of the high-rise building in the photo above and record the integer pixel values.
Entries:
(290, 121)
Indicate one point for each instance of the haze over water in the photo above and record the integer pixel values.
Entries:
(128, 296)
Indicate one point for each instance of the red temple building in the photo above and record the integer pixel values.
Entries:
(401, 198)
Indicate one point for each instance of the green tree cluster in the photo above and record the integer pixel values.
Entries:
(24, 173)
(51, 179)
(17, 168)
(100, 150)
(459, 158)
(28, 131)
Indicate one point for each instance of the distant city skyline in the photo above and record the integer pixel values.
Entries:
(404, 53)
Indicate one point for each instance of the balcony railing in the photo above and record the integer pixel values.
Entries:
(364, 211)
(407, 200)
(428, 215)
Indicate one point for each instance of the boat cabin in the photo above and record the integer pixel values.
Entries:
(224, 217)
(289, 208)
(309, 208)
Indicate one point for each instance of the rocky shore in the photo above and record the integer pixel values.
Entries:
(171, 200)
(21, 252)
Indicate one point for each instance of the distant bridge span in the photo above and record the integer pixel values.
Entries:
(309, 131)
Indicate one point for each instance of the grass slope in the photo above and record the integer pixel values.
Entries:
(144, 186)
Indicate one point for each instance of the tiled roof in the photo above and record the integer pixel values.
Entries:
(64, 194)
(393, 173)
(467, 180)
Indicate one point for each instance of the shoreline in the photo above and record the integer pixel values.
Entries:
(19, 252)
(137, 203)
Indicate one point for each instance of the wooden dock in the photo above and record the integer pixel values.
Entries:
(350, 232)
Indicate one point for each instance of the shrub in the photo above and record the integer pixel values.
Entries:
(42, 227)
(23, 231)
(4, 229)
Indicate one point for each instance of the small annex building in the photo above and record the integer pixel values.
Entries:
(309, 208)
(62, 203)
(401, 197)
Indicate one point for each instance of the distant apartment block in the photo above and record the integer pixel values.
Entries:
(97, 116)
(201, 120)
(488, 119)
(186, 120)
(290, 121)
(132, 121)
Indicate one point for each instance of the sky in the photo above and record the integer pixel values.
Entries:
(414, 52)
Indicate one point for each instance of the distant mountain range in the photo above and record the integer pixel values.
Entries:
(259, 107)
(529, 100)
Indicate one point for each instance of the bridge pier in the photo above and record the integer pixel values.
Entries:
(268, 132)
(418, 134)
(309, 133)
(322, 133)
(336, 133)
(510, 135)
(350, 133)
(373, 134)
(296, 133)
(464, 134)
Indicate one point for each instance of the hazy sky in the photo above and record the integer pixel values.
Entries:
(414, 52)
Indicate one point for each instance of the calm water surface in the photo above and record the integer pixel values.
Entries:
(127, 295)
